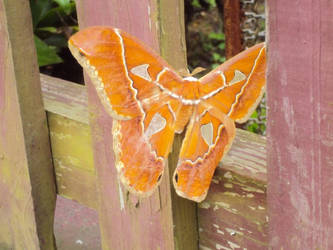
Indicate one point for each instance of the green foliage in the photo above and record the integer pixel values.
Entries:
(197, 4)
(217, 46)
(53, 22)
(46, 54)
(257, 121)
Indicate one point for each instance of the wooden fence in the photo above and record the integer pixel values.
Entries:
(234, 215)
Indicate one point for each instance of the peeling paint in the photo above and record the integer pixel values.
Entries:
(233, 245)
(219, 247)
(228, 175)
(204, 247)
(228, 185)
(219, 231)
(252, 189)
(215, 181)
(233, 232)
(149, 17)
(204, 205)
(222, 204)
(232, 194)
(121, 197)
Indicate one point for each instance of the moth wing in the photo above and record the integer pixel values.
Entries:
(238, 84)
(122, 69)
(125, 72)
(208, 137)
(142, 144)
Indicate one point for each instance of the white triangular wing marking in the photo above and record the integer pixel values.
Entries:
(238, 77)
(156, 125)
(141, 71)
(207, 133)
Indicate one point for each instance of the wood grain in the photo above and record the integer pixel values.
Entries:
(173, 50)
(73, 159)
(27, 188)
(234, 214)
(232, 27)
(300, 124)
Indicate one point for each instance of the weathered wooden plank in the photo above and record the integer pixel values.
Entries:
(300, 124)
(232, 27)
(73, 159)
(65, 98)
(27, 187)
(126, 222)
(247, 156)
(173, 49)
(234, 213)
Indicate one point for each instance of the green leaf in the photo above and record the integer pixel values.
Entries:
(254, 114)
(48, 29)
(54, 15)
(46, 54)
(196, 3)
(253, 127)
(39, 9)
(216, 36)
(218, 58)
(212, 3)
(57, 40)
(66, 5)
(221, 46)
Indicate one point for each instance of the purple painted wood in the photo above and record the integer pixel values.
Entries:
(126, 222)
(300, 124)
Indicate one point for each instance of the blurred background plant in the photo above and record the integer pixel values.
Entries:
(54, 21)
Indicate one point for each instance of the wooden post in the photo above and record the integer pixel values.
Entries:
(27, 187)
(300, 124)
(232, 28)
(162, 221)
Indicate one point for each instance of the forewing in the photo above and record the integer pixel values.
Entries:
(237, 86)
(208, 137)
(122, 69)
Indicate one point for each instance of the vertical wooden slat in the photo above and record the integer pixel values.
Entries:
(161, 221)
(27, 187)
(232, 27)
(173, 49)
(300, 124)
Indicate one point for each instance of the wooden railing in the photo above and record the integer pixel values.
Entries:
(235, 209)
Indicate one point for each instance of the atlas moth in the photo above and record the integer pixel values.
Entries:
(150, 102)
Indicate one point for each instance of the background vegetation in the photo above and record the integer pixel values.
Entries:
(54, 21)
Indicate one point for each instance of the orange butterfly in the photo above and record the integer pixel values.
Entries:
(150, 102)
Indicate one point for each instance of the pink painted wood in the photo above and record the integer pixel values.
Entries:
(27, 190)
(300, 124)
(126, 222)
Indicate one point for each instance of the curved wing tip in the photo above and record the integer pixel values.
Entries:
(136, 192)
(197, 199)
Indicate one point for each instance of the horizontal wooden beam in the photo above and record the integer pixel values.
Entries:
(234, 212)
(247, 156)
